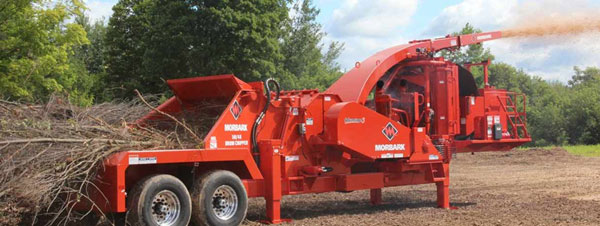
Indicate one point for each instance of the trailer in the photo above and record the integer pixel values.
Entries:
(394, 119)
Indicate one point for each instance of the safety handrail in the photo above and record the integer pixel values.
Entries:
(519, 116)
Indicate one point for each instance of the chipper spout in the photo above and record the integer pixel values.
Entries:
(366, 73)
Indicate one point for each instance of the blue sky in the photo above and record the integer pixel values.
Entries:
(367, 26)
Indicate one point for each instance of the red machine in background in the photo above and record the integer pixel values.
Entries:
(394, 119)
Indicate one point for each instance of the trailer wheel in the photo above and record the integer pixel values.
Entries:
(219, 198)
(159, 200)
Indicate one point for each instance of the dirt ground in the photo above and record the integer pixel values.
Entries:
(520, 187)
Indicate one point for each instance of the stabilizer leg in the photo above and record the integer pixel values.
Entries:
(271, 168)
(274, 211)
(375, 196)
(443, 194)
(443, 190)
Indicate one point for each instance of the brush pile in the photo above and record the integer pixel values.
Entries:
(49, 153)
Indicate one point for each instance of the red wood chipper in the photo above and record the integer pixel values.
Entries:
(394, 119)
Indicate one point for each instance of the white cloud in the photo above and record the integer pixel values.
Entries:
(368, 26)
(376, 18)
(99, 9)
(551, 57)
(480, 13)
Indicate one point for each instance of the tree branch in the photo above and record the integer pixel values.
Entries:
(169, 116)
(60, 140)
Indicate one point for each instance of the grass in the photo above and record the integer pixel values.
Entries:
(584, 150)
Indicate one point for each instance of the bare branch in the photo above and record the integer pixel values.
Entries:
(169, 116)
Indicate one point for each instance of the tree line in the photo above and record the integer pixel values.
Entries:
(51, 47)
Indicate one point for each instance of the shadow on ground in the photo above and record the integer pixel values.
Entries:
(338, 204)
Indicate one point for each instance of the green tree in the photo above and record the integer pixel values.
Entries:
(124, 49)
(545, 113)
(471, 54)
(302, 49)
(146, 43)
(92, 54)
(583, 108)
(149, 41)
(36, 45)
(505, 76)
(590, 74)
(239, 36)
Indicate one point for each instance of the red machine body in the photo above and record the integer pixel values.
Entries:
(394, 119)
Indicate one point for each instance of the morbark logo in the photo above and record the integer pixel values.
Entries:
(389, 131)
(236, 109)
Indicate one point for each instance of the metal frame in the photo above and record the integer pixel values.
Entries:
(311, 142)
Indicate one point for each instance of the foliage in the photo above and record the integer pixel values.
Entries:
(589, 75)
(92, 54)
(150, 41)
(126, 47)
(302, 50)
(545, 114)
(153, 40)
(36, 45)
(583, 110)
(557, 114)
(470, 54)
(240, 37)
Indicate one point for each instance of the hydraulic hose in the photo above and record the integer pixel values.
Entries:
(261, 116)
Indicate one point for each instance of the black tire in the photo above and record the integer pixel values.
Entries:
(203, 200)
(141, 201)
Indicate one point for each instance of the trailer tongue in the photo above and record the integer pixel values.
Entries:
(394, 119)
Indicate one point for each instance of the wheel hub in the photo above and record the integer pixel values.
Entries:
(224, 202)
(166, 208)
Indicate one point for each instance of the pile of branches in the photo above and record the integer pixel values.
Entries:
(50, 153)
